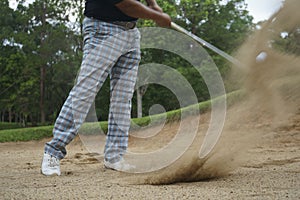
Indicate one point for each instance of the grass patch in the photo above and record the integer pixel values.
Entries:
(93, 128)
(37, 133)
(191, 110)
(25, 134)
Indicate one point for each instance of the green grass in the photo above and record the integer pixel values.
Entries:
(37, 133)
(25, 134)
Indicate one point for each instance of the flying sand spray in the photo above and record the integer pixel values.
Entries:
(210, 141)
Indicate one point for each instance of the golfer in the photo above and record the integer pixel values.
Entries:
(111, 48)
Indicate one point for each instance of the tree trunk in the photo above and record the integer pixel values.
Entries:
(9, 115)
(139, 103)
(42, 94)
(140, 93)
(43, 67)
(2, 116)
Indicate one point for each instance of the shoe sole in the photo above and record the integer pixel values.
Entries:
(51, 175)
(106, 167)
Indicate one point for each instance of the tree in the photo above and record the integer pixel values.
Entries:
(225, 25)
(10, 60)
(40, 55)
(47, 42)
(41, 52)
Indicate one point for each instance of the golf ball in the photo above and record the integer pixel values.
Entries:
(261, 56)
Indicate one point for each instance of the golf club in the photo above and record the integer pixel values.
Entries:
(206, 44)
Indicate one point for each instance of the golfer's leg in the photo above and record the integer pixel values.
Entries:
(77, 105)
(123, 77)
(97, 60)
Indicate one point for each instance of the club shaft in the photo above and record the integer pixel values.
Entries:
(206, 44)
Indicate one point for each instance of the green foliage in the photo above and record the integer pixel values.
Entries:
(289, 42)
(37, 39)
(7, 125)
(37, 133)
(168, 6)
(102, 101)
(40, 53)
(223, 24)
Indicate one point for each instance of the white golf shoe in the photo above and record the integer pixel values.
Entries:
(50, 165)
(119, 166)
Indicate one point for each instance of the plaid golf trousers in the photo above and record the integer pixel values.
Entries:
(109, 49)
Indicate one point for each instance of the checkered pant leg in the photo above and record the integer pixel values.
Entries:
(101, 52)
(122, 81)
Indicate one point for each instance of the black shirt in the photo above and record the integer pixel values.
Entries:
(105, 10)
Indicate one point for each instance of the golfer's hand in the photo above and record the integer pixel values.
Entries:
(156, 8)
(164, 20)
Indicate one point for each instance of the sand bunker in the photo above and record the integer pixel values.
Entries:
(271, 82)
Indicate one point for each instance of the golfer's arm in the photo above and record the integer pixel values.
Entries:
(151, 2)
(136, 9)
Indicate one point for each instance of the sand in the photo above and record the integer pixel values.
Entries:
(256, 157)
(272, 171)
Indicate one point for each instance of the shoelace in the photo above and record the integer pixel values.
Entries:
(53, 162)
